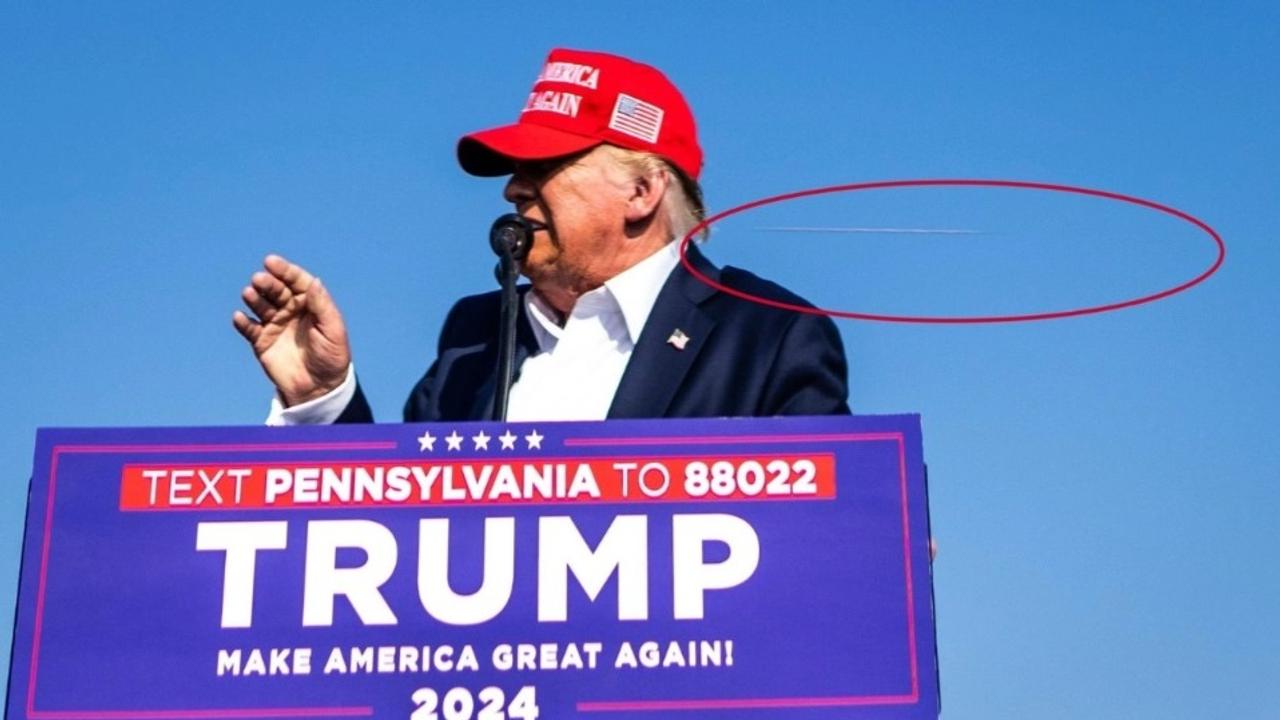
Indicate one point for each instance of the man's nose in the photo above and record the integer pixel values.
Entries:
(519, 189)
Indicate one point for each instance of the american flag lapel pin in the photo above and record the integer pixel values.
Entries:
(678, 339)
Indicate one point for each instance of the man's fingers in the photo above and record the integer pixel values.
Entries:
(294, 276)
(260, 306)
(271, 288)
(246, 327)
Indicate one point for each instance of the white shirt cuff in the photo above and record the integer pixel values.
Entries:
(320, 411)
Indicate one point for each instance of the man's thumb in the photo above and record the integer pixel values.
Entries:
(318, 301)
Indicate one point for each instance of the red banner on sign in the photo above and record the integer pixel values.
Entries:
(478, 482)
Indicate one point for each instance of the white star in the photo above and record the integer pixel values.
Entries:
(508, 440)
(481, 440)
(454, 440)
(534, 440)
(426, 442)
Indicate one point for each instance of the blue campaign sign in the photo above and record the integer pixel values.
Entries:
(735, 568)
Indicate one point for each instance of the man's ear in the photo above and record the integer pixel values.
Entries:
(647, 192)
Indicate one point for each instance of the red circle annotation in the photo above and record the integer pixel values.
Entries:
(956, 182)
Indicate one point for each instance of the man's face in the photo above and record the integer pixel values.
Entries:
(583, 201)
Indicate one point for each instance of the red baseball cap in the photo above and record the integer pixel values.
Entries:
(582, 99)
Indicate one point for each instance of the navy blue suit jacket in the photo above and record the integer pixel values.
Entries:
(742, 358)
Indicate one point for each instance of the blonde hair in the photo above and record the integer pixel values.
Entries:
(683, 198)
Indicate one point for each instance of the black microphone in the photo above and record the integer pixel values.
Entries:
(510, 237)
(512, 234)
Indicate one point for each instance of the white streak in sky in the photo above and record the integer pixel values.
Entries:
(872, 230)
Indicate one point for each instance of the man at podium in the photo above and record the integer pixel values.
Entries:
(604, 161)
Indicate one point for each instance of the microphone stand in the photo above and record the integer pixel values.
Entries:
(510, 237)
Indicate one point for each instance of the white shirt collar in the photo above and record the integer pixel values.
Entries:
(636, 288)
(631, 292)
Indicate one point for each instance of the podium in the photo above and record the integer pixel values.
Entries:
(727, 568)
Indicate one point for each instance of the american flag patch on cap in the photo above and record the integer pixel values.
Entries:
(636, 118)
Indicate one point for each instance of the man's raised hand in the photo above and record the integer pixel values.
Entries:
(296, 331)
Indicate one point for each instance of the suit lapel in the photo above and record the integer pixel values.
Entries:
(658, 365)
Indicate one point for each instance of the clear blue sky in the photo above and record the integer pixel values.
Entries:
(1104, 489)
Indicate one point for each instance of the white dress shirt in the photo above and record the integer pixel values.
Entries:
(576, 372)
